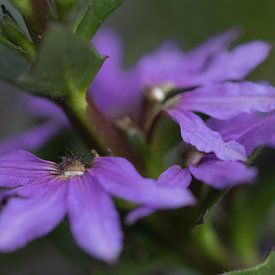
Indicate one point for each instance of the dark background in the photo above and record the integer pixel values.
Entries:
(143, 24)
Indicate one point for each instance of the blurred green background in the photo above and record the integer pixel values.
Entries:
(143, 24)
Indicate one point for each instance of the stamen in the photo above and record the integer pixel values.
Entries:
(72, 173)
(71, 167)
(155, 94)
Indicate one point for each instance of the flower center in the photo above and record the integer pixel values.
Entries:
(72, 167)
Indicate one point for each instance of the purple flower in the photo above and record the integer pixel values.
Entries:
(203, 69)
(250, 130)
(209, 63)
(210, 170)
(222, 101)
(41, 193)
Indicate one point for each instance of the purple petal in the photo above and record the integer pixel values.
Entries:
(162, 66)
(20, 167)
(94, 220)
(33, 213)
(139, 213)
(119, 178)
(251, 130)
(222, 174)
(44, 108)
(238, 63)
(177, 69)
(108, 43)
(195, 132)
(198, 57)
(175, 176)
(233, 128)
(116, 92)
(224, 101)
(262, 133)
(210, 62)
(31, 139)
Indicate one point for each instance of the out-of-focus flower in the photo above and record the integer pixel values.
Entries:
(222, 101)
(31, 139)
(203, 70)
(250, 130)
(40, 193)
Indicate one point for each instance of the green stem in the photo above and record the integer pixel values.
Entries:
(95, 129)
(76, 111)
(207, 241)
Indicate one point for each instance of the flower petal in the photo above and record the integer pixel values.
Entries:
(32, 213)
(117, 92)
(199, 57)
(251, 130)
(195, 132)
(43, 108)
(235, 127)
(31, 139)
(175, 176)
(163, 66)
(138, 213)
(224, 101)
(238, 63)
(179, 69)
(20, 167)
(93, 218)
(108, 43)
(119, 178)
(222, 174)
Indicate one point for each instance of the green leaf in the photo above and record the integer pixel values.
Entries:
(247, 224)
(13, 37)
(66, 65)
(12, 65)
(15, 15)
(265, 268)
(91, 14)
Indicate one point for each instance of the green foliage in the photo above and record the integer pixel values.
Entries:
(248, 213)
(91, 14)
(12, 65)
(265, 268)
(66, 65)
(13, 37)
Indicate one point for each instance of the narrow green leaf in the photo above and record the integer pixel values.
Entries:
(66, 65)
(7, 6)
(246, 225)
(91, 14)
(12, 65)
(265, 268)
(16, 38)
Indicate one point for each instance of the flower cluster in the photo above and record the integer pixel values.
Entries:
(222, 120)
